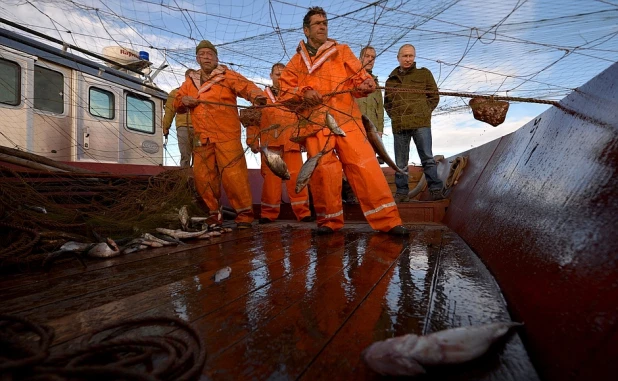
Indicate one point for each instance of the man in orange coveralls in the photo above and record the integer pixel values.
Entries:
(278, 140)
(218, 155)
(321, 66)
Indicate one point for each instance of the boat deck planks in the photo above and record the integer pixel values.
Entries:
(296, 306)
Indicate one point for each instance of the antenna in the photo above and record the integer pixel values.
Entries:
(150, 78)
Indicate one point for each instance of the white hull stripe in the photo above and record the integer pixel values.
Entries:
(270, 95)
(271, 205)
(300, 202)
(376, 210)
(330, 215)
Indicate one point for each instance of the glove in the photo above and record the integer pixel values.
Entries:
(250, 117)
(254, 148)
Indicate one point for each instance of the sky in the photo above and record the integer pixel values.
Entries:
(540, 49)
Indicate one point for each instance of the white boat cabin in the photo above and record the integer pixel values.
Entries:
(69, 108)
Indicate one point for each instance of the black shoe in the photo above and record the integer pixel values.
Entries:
(306, 219)
(243, 225)
(399, 230)
(436, 194)
(322, 230)
(400, 197)
(265, 220)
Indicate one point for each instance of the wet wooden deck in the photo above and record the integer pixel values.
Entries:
(297, 305)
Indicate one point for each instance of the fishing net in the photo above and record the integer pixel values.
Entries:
(41, 210)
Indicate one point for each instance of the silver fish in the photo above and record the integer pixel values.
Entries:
(378, 145)
(422, 183)
(150, 237)
(106, 249)
(307, 170)
(183, 216)
(275, 163)
(133, 248)
(332, 125)
(222, 274)
(179, 234)
(407, 355)
(69, 247)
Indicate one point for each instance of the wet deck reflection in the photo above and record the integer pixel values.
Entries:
(296, 305)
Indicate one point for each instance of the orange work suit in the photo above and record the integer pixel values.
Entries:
(219, 158)
(335, 68)
(278, 139)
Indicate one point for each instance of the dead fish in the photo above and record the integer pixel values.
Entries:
(378, 145)
(275, 162)
(150, 237)
(70, 247)
(307, 170)
(170, 239)
(332, 125)
(408, 355)
(179, 234)
(183, 216)
(107, 249)
(222, 274)
(133, 248)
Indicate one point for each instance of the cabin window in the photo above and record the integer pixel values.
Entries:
(140, 114)
(48, 90)
(10, 82)
(101, 103)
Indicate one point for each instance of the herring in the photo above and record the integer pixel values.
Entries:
(307, 170)
(409, 354)
(275, 162)
(378, 145)
(332, 125)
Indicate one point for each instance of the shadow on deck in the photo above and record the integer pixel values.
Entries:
(297, 305)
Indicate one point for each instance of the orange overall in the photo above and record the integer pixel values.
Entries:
(335, 68)
(278, 139)
(219, 158)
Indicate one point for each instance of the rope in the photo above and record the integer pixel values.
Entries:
(455, 172)
(116, 351)
(400, 90)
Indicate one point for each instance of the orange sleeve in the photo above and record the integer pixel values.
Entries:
(290, 95)
(243, 87)
(354, 71)
(182, 91)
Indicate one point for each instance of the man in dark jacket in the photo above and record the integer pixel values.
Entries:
(410, 113)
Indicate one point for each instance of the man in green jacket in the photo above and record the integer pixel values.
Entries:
(410, 113)
(184, 128)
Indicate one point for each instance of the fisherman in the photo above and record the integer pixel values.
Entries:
(322, 66)
(210, 93)
(410, 114)
(371, 106)
(275, 130)
(184, 128)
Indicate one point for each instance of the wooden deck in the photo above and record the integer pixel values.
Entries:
(297, 305)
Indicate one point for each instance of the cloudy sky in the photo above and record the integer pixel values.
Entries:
(541, 49)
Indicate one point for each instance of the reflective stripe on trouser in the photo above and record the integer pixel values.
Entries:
(364, 175)
(184, 135)
(271, 189)
(223, 163)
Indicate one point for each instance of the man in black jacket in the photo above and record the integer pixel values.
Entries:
(410, 97)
